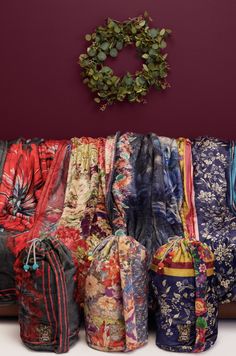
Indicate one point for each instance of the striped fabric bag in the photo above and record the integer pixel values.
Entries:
(46, 286)
(182, 282)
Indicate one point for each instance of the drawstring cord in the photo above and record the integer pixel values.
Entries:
(33, 245)
(169, 251)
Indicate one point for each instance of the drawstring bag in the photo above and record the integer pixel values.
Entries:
(46, 284)
(182, 281)
(116, 307)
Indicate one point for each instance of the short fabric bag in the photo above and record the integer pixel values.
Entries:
(46, 286)
(116, 295)
(182, 282)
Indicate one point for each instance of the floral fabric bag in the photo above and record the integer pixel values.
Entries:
(182, 281)
(116, 307)
(46, 286)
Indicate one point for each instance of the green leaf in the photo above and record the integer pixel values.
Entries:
(95, 77)
(133, 30)
(138, 43)
(106, 69)
(142, 23)
(110, 23)
(128, 80)
(163, 44)
(201, 323)
(117, 29)
(102, 56)
(104, 46)
(155, 46)
(113, 52)
(153, 32)
(162, 32)
(97, 39)
(152, 52)
(97, 100)
(145, 56)
(91, 51)
(145, 67)
(119, 45)
(88, 37)
(141, 80)
(151, 66)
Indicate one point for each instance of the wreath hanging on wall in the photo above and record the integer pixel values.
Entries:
(107, 41)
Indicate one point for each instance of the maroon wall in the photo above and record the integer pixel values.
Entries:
(41, 93)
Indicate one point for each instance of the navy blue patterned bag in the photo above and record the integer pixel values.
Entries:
(182, 282)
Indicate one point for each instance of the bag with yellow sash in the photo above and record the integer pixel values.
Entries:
(182, 283)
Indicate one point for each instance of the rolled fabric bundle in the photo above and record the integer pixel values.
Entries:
(46, 286)
(182, 281)
(116, 296)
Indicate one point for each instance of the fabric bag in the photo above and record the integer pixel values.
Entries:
(182, 281)
(116, 307)
(46, 286)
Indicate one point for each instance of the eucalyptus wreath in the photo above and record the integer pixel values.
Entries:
(107, 41)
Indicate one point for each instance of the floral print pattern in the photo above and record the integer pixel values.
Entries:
(25, 170)
(116, 295)
(84, 221)
(216, 221)
(26, 166)
(182, 283)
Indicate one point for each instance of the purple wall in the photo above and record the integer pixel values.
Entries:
(41, 93)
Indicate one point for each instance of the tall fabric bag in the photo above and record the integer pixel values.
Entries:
(46, 286)
(116, 308)
(182, 281)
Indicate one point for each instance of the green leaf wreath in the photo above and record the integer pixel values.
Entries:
(108, 41)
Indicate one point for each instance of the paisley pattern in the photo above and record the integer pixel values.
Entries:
(116, 296)
(217, 223)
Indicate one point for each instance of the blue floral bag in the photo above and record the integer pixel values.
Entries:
(182, 282)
